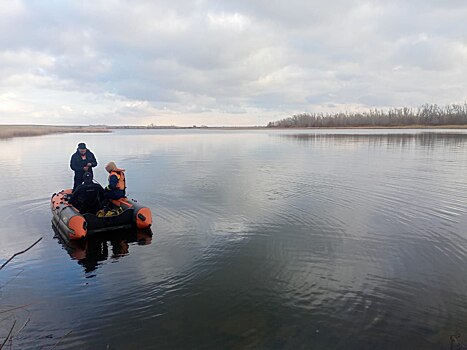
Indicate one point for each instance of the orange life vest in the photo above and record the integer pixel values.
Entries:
(120, 174)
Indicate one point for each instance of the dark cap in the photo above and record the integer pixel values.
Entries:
(81, 145)
(87, 177)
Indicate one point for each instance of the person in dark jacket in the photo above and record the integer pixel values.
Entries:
(87, 197)
(83, 160)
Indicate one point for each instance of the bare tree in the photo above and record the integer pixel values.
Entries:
(426, 115)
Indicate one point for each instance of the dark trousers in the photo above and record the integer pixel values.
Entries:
(114, 194)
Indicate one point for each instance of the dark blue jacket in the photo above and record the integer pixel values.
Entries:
(77, 163)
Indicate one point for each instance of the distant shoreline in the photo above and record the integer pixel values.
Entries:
(334, 127)
(376, 127)
(284, 128)
(233, 128)
(11, 131)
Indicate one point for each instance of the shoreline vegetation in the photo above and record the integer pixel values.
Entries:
(427, 116)
(10, 131)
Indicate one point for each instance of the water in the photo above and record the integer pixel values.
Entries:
(352, 239)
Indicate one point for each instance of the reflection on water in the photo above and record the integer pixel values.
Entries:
(96, 248)
(351, 239)
(423, 139)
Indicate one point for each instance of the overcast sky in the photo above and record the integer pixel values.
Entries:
(244, 62)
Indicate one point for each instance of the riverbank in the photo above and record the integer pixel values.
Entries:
(10, 131)
(368, 127)
(236, 128)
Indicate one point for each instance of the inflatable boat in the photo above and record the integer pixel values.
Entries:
(117, 214)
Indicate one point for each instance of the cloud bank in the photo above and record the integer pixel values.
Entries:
(225, 63)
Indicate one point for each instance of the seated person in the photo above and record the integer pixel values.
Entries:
(117, 185)
(87, 197)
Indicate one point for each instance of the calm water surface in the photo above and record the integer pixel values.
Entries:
(262, 240)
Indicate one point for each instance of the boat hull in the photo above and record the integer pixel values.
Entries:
(73, 225)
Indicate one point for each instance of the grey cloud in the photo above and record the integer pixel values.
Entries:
(231, 58)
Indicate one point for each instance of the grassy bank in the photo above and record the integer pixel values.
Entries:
(369, 127)
(9, 131)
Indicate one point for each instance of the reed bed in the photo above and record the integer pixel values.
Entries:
(10, 131)
(425, 116)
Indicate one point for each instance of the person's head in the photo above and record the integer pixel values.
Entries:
(82, 148)
(110, 166)
(87, 178)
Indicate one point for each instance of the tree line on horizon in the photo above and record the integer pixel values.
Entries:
(426, 115)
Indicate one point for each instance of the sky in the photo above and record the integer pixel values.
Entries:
(225, 63)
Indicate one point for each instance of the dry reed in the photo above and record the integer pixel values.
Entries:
(10, 131)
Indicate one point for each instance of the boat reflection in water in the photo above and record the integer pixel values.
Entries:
(94, 249)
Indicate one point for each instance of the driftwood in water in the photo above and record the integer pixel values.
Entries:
(8, 336)
(16, 254)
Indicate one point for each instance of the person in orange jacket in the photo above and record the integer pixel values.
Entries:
(117, 184)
